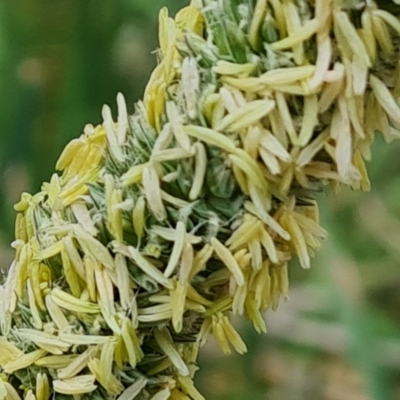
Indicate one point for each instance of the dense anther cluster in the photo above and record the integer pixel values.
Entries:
(165, 224)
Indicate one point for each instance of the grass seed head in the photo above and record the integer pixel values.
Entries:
(162, 224)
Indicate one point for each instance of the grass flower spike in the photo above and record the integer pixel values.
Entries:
(162, 224)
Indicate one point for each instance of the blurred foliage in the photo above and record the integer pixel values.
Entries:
(338, 337)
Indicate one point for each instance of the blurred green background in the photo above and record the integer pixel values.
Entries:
(339, 335)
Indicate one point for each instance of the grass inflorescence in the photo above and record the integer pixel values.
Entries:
(164, 224)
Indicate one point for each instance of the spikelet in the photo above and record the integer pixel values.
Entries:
(162, 225)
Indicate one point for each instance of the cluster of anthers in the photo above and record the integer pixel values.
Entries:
(166, 223)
